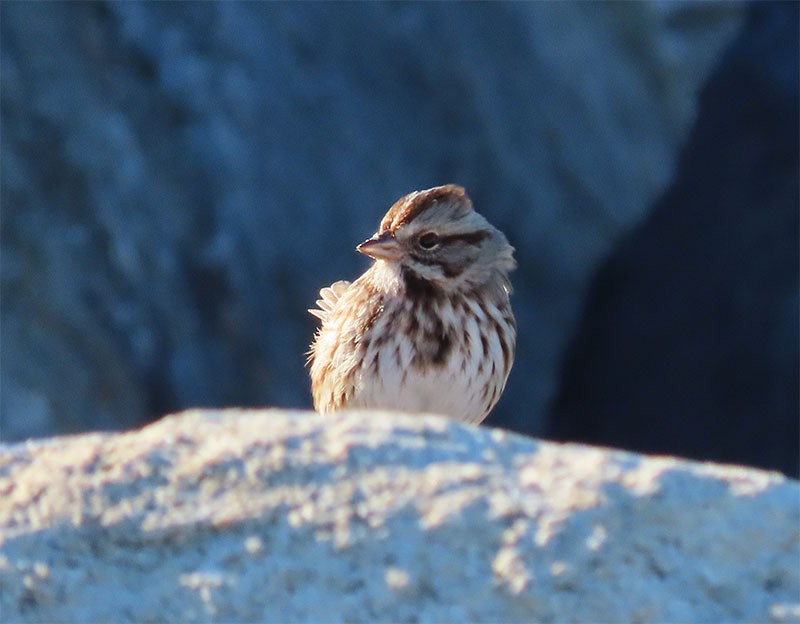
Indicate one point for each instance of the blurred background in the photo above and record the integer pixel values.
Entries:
(178, 180)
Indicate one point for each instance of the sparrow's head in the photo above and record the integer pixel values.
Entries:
(435, 236)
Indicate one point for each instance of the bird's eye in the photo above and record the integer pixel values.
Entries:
(429, 240)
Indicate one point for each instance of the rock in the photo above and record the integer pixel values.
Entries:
(689, 342)
(291, 516)
(179, 180)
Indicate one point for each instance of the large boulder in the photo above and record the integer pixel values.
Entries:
(689, 342)
(291, 516)
(178, 180)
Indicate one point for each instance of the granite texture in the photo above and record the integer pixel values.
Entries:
(362, 517)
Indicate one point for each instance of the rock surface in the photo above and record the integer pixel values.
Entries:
(290, 516)
(690, 342)
(178, 180)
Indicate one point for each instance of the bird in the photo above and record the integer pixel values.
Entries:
(428, 327)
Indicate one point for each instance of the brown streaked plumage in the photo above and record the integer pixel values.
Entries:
(428, 327)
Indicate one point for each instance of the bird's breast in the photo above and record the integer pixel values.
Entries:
(446, 358)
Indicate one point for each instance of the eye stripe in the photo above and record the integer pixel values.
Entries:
(471, 238)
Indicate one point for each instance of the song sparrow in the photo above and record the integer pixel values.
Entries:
(428, 327)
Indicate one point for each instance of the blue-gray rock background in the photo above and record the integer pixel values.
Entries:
(688, 342)
(179, 179)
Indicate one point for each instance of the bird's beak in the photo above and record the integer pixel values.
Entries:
(381, 247)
